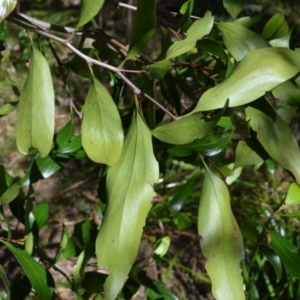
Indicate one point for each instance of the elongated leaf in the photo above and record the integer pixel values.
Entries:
(102, 132)
(35, 123)
(186, 129)
(273, 259)
(234, 7)
(288, 92)
(5, 281)
(143, 26)
(9, 187)
(130, 191)
(198, 30)
(40, 279)
(89, 9)
(273, 26)
(278, 140)
(6, 7)
(221, 242)
(240, 40)
(250, 80)
(287, 253)
(293, 194)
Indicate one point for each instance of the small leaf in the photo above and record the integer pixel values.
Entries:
(278, 140)
(293, 194)
(249, 80)
(186, 129)
(41, 214)
(130, 191)
(35, 123)
(89, 9)
(239, 40)
(234, 7)
(64, 134)
(274, 259)
(273, 26)
(221, 241)
(6, 7)
(287, 92)
(9, 187)
(159, 69)
(142, 31)
(40, 279)
(287, 253)
(7, 108)
(163, 246)
(198, 30)
(102, 132)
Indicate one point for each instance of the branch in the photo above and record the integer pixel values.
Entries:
(40, 28)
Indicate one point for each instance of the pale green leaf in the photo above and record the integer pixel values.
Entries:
(39, 277)
(198, 30)
(102, 133)
(186, 129)
(130, 192)
(6, 7)
(245, 156)
(35, 123)
(163, 246)
(221, 240)
(144, 23)
(159, 69)
(240, 40)
(234, 7)
(293, 194)
(89, 9)
(260, 71)
(277, 139)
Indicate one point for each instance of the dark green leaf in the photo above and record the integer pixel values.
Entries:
(182, 220)
(93, 282)
(6, 282)
(274, 259)
(64, 134)
(273, 26)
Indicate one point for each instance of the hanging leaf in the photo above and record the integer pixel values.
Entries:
(234, 7)
(6, 7)
(278, 140)
(35, 123)
(130, 191)
(89, 9)
(39, 277)
(186, 129)
(198, 30)
(143, 27)
(250, 80)
(102, 132)
(240, 40)
(221, 241)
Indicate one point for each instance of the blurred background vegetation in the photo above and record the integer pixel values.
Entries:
(74, 198)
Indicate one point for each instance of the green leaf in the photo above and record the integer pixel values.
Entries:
(39, 277)
(221, 240)
(239, 40)
(278, 140)
(250, 80)
(159, 69)
(198, 30)
(7, 108)
(234, 7)
(6, 282)
(287, 92)
(102, 132)
(182, 220)
(293, 194)
(64, 134)
(245, 156)
(9, 187)
(6, 7)
(130, 191)
(163, 246)
(287, 253)
(89, 9)
(142, 30)
(274, 259)
(35, 123)
(186, 129)
(41, 214)
(273, 26)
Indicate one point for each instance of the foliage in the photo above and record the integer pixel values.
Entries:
(207, 119)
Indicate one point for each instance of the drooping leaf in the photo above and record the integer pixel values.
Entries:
(199, 29)
(130, 191)
(221, 241)
(293, 194)
(239, 40)
(278, 140)
(35, 123)
(159, 69)
(234, 7)
(250, 80)
(102, 132)
(6, 7)
(287, 252)
(274, 259)
(288, 92)
(142, 30)
(39, 277)
(186, 129)
(89, 9)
